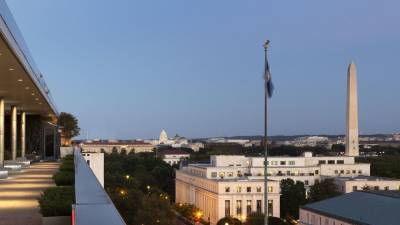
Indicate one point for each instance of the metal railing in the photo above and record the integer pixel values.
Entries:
(92, 204)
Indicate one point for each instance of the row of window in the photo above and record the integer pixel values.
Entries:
(248, 189)
(330, 161)
(249, 208)
(376, 188)
(282, 163)
(348, 171)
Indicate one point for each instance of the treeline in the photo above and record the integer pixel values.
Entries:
(141, 187)
(383, 166)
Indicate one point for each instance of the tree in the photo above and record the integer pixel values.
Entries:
(70, 128)
(155, 211)
(323, 190)
(293, 195)
(258, 219)
(229, 220)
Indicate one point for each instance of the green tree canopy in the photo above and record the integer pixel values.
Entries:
(323, 190)
(69, 124)
(229, 220)
(293, 195)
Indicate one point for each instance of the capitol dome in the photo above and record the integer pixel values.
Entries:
(163, 137)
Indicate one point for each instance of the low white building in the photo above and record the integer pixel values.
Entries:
(350, 184)
(218, 197)
(114, 145)
(306, 168)
(96, 163)
(173, 156)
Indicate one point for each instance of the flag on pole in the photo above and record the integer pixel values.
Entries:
(269, 87)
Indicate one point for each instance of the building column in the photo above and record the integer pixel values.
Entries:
(1, 132)
(13, 132)
(23, 124)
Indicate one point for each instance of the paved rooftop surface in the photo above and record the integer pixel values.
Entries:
(19, 194)
(375, 208)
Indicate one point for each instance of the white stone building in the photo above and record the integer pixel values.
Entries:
(350, 184)
(96, 163)
(110, 146)
(173, 156)
(304, 168)
(225, 195)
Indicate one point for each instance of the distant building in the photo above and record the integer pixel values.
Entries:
(311, 141)
(110, 146)
(173, 156)
(350, 184)
(306, 168)
(96, 163)
(355, 208)
(219, 193)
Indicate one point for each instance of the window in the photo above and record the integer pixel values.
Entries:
(248, 207)
(274, 163)
(230, 174)
(331, 161)
(227, 208)
(347, 171)
(238, 164)
(248, 189)
(321, 162)
(283, 163)
(376, 188)
(292, 163)
(270, 208)
(354, 171)
(306, 182)
(270, 189)
(288, 172)
(259, 189)
(259, 206)
(360, 172)
(239, 173)
(354, 188)
(386, 188)
(316, 172)
(88, 162)
(239, 208)
(342, 171)
(227, 189)
(238, 189)
(214, 174)
(222, 174)
(326, 221)
(340, 162)
(336, 171)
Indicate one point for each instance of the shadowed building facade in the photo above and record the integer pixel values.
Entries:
(28, 115)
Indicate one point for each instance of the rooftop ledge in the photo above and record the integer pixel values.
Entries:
(93, 205)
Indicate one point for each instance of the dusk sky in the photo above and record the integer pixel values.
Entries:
(128, 69)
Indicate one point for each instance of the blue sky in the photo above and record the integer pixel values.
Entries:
(129, 68)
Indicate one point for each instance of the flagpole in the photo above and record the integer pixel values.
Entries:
(265, 138)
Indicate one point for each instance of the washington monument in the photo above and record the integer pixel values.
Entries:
(352, 112)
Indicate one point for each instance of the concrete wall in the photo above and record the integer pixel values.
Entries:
(96, 163)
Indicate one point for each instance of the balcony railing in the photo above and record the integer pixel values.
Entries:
(92, 204)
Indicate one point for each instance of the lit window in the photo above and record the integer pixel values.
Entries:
(214, 174)
(270, 189)
(238, 189)
(292, 163)
(259, 189)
